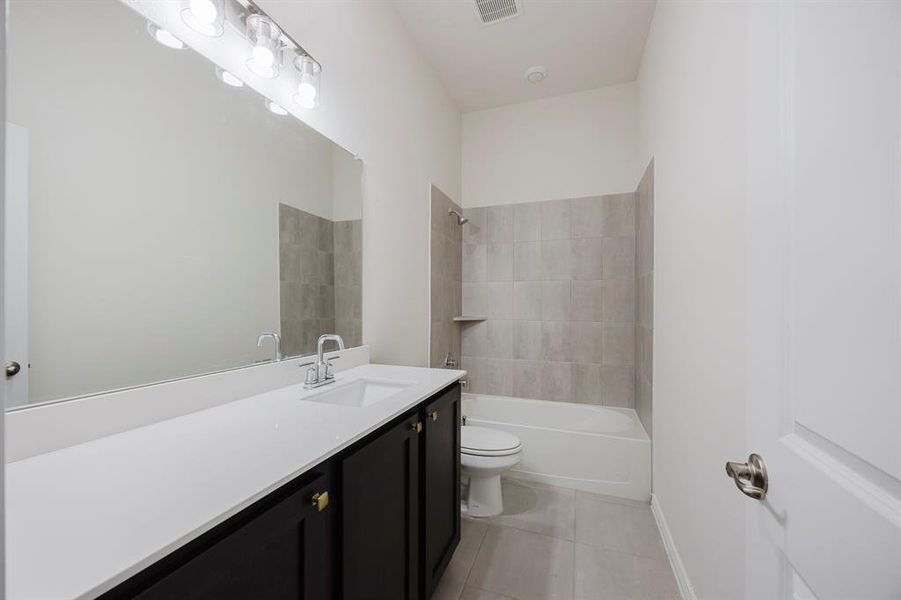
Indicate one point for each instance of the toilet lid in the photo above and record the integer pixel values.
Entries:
(477, 440)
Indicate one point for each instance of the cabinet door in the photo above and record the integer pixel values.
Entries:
(441, 485)
(281, 553)
(380, 516)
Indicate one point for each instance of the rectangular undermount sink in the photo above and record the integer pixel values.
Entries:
(359, 392)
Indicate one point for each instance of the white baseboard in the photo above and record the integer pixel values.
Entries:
(688, 592)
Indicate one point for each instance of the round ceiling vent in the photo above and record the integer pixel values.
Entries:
(536, 74)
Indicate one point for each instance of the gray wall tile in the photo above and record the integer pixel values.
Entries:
(526, 261)
(556, 381)
(475, 299)
(527, 302)
(500, 299)
(476, 230)
(499, 259)
(556, 341)
(500, 224)
(586, 385)
(573, 268)
(527, 340)
(446, 281)
(556, 300)
(527, 379)
(556, 220)
(619, 257)
(556, 260)
(588, 343)
(618, 386)
(619, 344)
(527, 222)
(588, 258)
(619, 300)
(619, 215)
(587, 301)
(587, 217)
(475, 262)
(489, 375)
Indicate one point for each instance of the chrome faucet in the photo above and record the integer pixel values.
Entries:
(278, 343)
(320, 373)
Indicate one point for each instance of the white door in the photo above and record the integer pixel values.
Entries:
(824, 299)
(15, 268)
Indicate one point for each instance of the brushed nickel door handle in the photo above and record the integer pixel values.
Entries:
(749, 477)
(13, 368)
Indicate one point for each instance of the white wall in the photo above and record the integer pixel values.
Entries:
(692, 109)
(581, 144)
(382, 101)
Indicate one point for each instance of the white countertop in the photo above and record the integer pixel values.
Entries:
(83, 519)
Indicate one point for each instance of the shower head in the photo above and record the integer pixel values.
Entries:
(461, 220)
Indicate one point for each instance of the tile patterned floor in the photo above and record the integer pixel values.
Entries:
(558, 544)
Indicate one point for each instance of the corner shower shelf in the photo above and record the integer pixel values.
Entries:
(468, 319)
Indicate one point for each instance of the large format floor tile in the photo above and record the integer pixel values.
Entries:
(604, 575)
(538, 508)
(524, 565)
(471, 593)
(630, 529)
(451, 585)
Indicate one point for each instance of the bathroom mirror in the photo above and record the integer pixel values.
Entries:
(160, 219)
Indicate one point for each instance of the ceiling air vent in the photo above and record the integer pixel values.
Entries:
(495, 11)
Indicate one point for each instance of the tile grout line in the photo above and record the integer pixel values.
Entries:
(474, 559)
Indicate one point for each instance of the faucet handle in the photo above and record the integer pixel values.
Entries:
(312, 375)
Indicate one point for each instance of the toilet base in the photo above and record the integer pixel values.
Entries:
(484, 498)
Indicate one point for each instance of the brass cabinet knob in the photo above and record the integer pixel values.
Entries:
(417, 426)
(433, 415)
(320, 500)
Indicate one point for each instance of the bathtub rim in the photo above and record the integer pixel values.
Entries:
(642, 434)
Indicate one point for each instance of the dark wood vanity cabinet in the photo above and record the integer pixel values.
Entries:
(400, 509)
(380, 507)
(440, 486)
(379, 521)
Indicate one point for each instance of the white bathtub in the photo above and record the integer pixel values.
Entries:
(584, 447)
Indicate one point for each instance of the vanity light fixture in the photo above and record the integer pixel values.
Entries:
(275, 108)
(264, 43)
(266, 52)
(164, 37)
(228, 78)
(205, 16)
(308, 71)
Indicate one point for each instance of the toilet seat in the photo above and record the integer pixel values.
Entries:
(482, 441)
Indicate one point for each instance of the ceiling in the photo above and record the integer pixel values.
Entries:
(583, 44)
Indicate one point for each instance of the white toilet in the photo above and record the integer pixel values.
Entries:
(485, 455)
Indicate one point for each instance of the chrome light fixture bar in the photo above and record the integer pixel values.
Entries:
(271, 53)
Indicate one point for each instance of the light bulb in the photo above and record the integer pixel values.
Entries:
(304, 102)
(205, 16)
(227, 78)
(306, 90)
(205, 11)
(265, 53)
(276, 109)
(308, 70)
(263, 57)
(164, 37)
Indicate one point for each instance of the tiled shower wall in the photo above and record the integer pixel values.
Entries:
(446, 277)
(319, 279)
(644, 271)
(556, 283)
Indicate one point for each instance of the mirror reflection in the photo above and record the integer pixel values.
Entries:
(160, 218)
